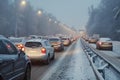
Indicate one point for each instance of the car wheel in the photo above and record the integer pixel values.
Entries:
(111, 49)
(53, 57)
(63, 49)
(27, 73)
(48, 60)
(1, 78)
(97, 48)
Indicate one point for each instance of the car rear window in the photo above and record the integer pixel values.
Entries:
(105, 39)
(54, 40)
(33, 44)
(64, 39)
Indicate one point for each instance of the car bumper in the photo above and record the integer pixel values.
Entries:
(105, 47)
(38, 57)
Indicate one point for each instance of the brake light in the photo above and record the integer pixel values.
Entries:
(20, 45)
(43, 50)
(23, 49)
(100, 43)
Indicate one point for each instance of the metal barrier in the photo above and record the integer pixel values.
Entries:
(103, 68)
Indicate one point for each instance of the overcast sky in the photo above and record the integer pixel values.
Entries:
(70, 12)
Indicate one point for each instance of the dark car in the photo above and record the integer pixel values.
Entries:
(14, 64)
(57, 44)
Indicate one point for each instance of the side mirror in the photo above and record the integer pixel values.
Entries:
(52, 46)
(20, 52)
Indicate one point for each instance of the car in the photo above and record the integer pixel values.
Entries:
(33, 37)
(66, 41)
(18, 42)
(104, 43)
(92, 40)
(86, 38)
(14, 64)
(56, 43)
(43, 37)
(39, 49)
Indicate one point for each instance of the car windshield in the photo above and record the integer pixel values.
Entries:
(33, 44)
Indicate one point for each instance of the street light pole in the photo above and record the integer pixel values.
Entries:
(16, 26)
(22, 4)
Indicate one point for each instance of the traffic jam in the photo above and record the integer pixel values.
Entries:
(27, 50)
(59, 39)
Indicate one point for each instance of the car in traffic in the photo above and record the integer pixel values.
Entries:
(39, 49)
(93, 40)
(86, 38)
(18, 42)
(14, 64)
(104, 43)
(56, 43)
(66, 41)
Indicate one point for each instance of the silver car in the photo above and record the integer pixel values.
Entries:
(38, 49)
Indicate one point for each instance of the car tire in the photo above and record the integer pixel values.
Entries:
(63, 49)
(1, 78)
(48, 60)
(27, 73)
(111, 49)
(53, 57)
(97, 47)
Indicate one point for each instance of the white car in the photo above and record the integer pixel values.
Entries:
(38, 49)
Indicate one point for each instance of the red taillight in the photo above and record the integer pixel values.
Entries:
(20, 45)
(100, 43)
(43, 50)
(23, 49)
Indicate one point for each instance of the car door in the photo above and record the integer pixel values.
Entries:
(19, 60)
(6, 62)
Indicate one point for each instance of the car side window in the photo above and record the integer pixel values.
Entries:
(3, 49)
(11, 48)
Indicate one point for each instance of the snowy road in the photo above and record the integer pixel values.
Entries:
(73, 65)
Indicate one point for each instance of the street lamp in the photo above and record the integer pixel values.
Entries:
(39, 12)
(22, 4)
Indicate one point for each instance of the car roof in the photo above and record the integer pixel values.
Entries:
(36, 40)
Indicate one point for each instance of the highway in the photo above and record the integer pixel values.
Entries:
(71, 64)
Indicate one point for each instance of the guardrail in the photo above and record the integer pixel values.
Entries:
(103, 68)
